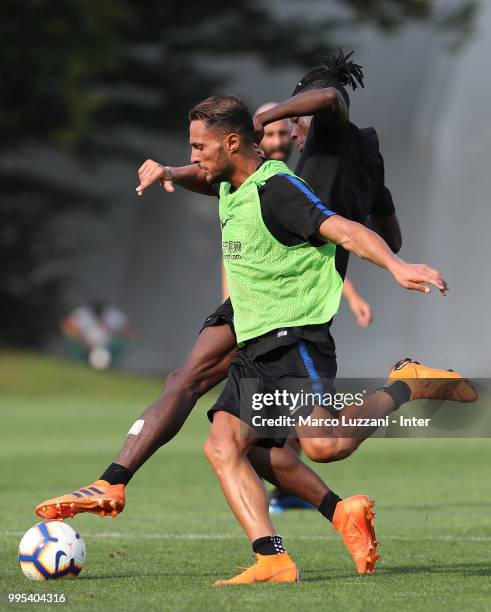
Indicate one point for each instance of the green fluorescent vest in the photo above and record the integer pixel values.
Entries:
(271, 285)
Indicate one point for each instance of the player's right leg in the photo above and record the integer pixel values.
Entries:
(227, 451)
(205, 366)
(352, 518)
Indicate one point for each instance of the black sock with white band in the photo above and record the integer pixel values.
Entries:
(269, 545)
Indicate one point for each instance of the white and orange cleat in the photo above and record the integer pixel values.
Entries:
(100, 498)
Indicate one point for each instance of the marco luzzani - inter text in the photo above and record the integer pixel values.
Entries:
(342, 421)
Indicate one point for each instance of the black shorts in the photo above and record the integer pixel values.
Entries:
(273, 363)
(223, 315)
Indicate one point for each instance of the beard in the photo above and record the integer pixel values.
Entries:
(214, 178)
(278, 153)
(222, 172)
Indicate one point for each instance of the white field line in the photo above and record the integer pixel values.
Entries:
(226, 536)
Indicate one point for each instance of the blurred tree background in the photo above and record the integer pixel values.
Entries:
(75, 75)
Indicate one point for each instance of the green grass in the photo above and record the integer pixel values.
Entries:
(62, 424)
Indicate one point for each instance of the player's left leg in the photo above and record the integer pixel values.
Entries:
(226, 449)
(408, 380)
(325, 444)
(205, 366)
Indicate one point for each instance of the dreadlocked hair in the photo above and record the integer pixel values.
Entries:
(336, 70)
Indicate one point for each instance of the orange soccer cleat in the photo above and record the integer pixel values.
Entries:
(429, 383)
(268, 568)
(100, 498)
(353, 518)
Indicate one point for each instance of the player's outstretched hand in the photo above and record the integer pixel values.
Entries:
(419, 277)
(150, 172)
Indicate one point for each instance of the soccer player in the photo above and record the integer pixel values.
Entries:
(352, 517)
(207, 363)
(276, 144)
(285, 289)
(215, 347)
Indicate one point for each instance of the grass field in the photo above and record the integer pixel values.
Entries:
(62, 424)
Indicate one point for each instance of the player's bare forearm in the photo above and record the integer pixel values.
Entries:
(366, 244)
(348, 289)
(359, 240)
(359, 307)
(190, 177)
(307, 103)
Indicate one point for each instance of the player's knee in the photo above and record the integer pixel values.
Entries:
(221, 450)
(198, 377)
(346, 446)
(209, 449)
(319, 449)
(182, 381)
(325, 450)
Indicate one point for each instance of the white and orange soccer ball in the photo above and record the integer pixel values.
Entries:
(50, 550)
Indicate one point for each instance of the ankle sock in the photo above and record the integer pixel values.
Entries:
(269, 545)
(327, 506)
(399, 391)
(117, 474)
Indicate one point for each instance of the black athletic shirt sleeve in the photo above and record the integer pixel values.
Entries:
(383, 204)
(291, 211)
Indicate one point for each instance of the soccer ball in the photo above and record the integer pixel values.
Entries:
(50, 550)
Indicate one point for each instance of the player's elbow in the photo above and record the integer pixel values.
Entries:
(396, 247)
(334, 101)
(330, 96)
(389, 229)
(395, 242)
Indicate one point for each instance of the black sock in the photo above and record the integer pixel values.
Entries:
(117, 474)
(328, 505)
(399, 391)
(269, 545)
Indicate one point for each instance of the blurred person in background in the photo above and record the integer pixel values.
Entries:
(96, 333)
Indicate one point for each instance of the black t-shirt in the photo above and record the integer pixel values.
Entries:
(291, 211)
(345, 170)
